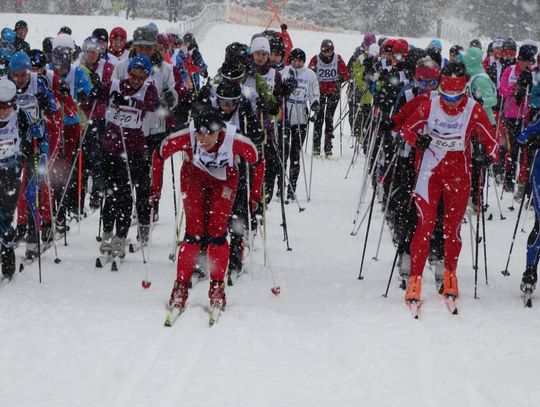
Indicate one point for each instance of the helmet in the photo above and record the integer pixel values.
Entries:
(20, 62)
(118, 32)
(37, 59)
(101, 34)
(229, 90)
(436, 43)
(8, 90)
(388, 44)
(8, 35)
(140, 62)
(63, 41)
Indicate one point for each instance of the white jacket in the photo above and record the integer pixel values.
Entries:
(303, 96)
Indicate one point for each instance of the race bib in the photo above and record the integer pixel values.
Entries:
(8, 148)
(126, 117)
(447, 142)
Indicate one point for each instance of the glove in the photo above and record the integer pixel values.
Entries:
(261, 104)
(520, 95)
(81, 96)
(168, 95)
(525, 80)
(533, 142)
(44, 147)
(204, 73)
(204, 93)
(153, 199)
(35, 131)
(283, 27)
(94, 78)
(63, 88)
(387, 124)
(96, 90)
(289, 85)
(423, 141)
(315, 107)
(482, 159)
(118, 99)
(43, 102)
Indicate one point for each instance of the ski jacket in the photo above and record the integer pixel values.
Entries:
(104, 70)
(480, 86)
(299, 101)
(451, 131)
(507, 89)
(331, 73)
(162, 78)
(127, 121)
(205, 165)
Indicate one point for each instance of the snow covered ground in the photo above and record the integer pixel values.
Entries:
(90, 337)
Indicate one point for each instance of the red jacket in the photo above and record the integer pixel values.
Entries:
(327, 88)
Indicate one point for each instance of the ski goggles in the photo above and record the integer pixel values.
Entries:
(209, 128)
(452, 98)
(425, 83)
(228, 101)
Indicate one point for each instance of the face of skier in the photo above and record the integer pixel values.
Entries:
(91, 56)
(21, 32)
(5, 109)
(118, 43)
(297, 63)
(162, 50)
(20, 78)
(207, 140)
(260, 57)
(452, 99)
(427, 85)
(227, 106)
(147, 50)
(275, 58)
(137, 77)
(524, 65)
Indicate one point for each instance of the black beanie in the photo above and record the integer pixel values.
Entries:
(297, 53)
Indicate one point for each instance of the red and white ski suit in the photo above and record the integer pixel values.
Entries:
(444, 170)
(208, 191)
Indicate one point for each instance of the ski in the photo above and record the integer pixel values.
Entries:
(213, 315)
(414, 307)
(6, 280)
(450, 302)
(527, 298)
(136, 246)
(27, 261)
(115, 262)
(172, 316)
(234, 276)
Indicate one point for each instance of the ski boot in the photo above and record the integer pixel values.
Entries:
(8, 261)
(32, 251)
(106, 243)
(520, 192)
(179, 295)
(414, 290)
(118, 247)
(144, 235)
(61, 228)
(95, 201)
(216, 293)
(528, 281)
(404, 269)
(450, 285)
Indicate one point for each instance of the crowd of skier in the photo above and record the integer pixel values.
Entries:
(88, 127)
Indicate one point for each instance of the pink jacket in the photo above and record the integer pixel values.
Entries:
(507, 87)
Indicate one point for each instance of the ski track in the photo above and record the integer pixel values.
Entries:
(90, 337)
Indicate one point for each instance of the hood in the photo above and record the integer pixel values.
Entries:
(473, 61)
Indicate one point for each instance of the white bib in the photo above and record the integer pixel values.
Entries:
(125, 116)
(216, 163)
(27, 100)
(9, 137)
(327, 72)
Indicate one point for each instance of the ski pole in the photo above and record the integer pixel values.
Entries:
(37, 220)
(375, 188)
(501, 217)
(132, 188)
(505, 272)
(53, 226)
(526, 213)
(341, 123)
(484, 233)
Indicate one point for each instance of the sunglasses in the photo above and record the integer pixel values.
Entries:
(428, 83)
(452, 98)
(212, 128)
(228, 102)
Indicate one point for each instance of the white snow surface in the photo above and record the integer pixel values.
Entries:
(91, 337)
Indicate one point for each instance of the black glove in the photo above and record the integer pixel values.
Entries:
(387, 124)
(204, 93)
(204, 73)
(261, 104)
(63, 88)
(315, 107)
(168, 95)
(482, 160)
(43, 102)
(94, 78)
(118, 99)
(289, 85)
(423, 141)
(525, 80)
(96, 90)
(156, 59)
(533, 142)
(81, 96)
(283, 27)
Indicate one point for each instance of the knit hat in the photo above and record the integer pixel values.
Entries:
(208, 121)
(526, 53)
(20, 24)
(297, 53)
(144, 36)
(63, 41)
(118, 32)
(91, 43)
(8, 90)
(427, 68)
(101, 34)
(20, 61)
(327, 45)
(163, 40)
(436, 43)
(232, 70)
(8, 35)
(260, 44)
(140, 62)
(277, 46)
(497, 43)
(65, 30)
(37, 59)
(369, 38)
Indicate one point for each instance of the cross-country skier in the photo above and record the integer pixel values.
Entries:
(441, 129)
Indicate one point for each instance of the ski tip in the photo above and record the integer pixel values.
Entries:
(114, 266)
(131, 248)
(21, 268)
(455, 312)
(98, 263)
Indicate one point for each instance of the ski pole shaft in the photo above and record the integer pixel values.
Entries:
(360, 277)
